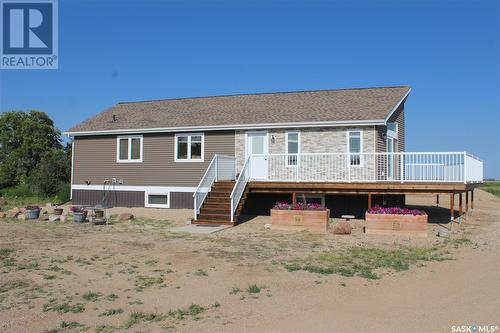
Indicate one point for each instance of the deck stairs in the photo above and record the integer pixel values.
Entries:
(216, 209)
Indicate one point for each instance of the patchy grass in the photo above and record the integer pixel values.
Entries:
(492, 187)
(235, 291)
(142, 282)
(15, 284)
(105, 329)
(137, 317)
(91, 296)
(457, 242)
(63, 307)
(112, 297)
(111, 312)
(201, 272)
(193, 310)
(64, 326)
(5, 253)
(359, 261)
(253, 289)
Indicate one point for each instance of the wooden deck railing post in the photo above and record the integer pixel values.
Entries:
(437, 200)
(294, 198)
(369, 200)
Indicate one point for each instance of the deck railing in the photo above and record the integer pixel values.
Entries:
(367, 167)
(239, 187)
(220, 168)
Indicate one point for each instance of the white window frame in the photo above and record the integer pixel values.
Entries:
(298, 148)
(360, 148)
(312, 196)
(189, 159)
(129, 137)
(153, 192)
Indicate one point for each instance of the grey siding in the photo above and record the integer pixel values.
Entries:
(399, 117)
(116, 198)
(95, 160)
(181, 200)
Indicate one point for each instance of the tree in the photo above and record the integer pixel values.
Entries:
(24, 138)
(51, 173)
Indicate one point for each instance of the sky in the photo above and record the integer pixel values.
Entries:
(112, 51)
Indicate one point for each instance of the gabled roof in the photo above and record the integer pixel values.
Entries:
(343, 106)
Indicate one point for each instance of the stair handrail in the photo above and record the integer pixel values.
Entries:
(197, 203)
(239, 186)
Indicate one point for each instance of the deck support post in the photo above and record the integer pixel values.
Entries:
(452, 208)
(460, 208)
(294, 198)
(466, 202)
(369, 200)
(471, 201)
(437, 200)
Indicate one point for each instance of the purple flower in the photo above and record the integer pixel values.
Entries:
(298, 206)
(394, 210)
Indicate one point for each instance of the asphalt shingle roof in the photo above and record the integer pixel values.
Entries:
(268, 108)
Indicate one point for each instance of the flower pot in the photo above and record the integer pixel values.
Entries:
(58, 211)
(312, 220)
(32, 214)
(99, 213)
(396, 224)
(79, 217)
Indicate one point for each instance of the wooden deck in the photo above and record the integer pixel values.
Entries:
(360, 188)
(378, 188)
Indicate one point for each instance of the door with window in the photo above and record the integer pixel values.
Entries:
(257, 146)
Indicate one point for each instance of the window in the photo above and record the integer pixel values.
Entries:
(392, 130)
(189, 147)
(292, 147)
(157, 200)
(129, 149)
(355, 144)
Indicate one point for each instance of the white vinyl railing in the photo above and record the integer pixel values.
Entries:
(367, 167)
(239, 187)
(220, 168)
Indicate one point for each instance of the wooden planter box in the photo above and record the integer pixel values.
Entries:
(396, 224)
(312, 220)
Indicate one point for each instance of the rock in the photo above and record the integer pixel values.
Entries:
(44, 217)
(342, 228)
(267, 226)
(3, 215)
(125, 216)
(22, 217)
(11, 213)
(63, 218)
(53, 218)
(22, 210)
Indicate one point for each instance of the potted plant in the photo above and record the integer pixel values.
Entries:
(32, 212)
(396, 221)
(312, 217)
(79, 213)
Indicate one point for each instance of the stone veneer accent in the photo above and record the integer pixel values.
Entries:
(312, 140)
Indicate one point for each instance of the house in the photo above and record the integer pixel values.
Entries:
(222, 155)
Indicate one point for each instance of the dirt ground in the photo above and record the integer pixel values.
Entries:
(139, 277)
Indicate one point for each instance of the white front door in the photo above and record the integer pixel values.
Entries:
(257, 146)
